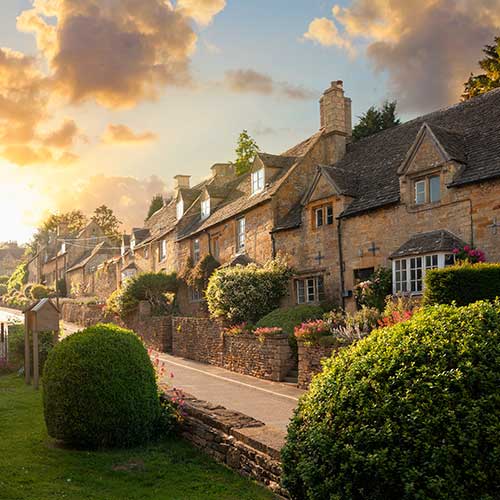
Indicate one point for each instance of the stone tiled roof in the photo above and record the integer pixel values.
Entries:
(102, 247)
(277, 161)
(140, 234)
(469, 131)
(239, 191)
(345, 183)
(433, 241)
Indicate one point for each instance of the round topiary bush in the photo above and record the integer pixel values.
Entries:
(99, 389)
(410, 412)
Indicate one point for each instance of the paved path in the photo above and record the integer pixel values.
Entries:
(270, 402)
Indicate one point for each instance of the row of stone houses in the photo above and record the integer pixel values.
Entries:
(403, 198)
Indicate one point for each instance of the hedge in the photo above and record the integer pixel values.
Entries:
(410, 412)
(462, 284)
(99, 389)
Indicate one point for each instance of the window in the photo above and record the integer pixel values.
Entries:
(323, 216)
(310, 290)
(162, 254)
(146, 253)
(180, 209)
(205, 208)
(258, 181)
(195, 295)
(428, 190)
(216, 247)
(408, 274)
(363, 274)
(240, 235)
(196, 250)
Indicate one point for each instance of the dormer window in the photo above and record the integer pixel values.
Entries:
(257, 181)
(180, 209)
(427, 190)
(205, 208)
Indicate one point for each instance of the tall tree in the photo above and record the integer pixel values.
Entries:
(155, 205)
(105, 218)
(73, 221)
(375, 120)
(490, 79)
(246, 150)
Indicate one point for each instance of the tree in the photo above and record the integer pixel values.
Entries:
(156, 204)
(73, 222)
(490, 79)
(246, 150)
(375, 120)
(105, 218)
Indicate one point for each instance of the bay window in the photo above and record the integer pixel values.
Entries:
(408, 274)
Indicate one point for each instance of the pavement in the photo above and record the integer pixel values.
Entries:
(270, 402)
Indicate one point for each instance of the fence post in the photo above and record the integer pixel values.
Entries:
(27, 360)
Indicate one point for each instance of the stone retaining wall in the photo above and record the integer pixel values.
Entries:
(155, 331)
(203, 340)
(310, 357)
(236, 440)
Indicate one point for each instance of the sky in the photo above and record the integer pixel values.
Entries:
(105, 101)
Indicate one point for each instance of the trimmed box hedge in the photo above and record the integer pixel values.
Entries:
(463, 284)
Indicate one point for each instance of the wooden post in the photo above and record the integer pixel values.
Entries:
(36, 369)
(27, 360)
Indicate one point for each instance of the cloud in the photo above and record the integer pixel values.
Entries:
(250, 81)
(24, 155)
(324, 32)
(428, 48)
(202, 11)
(121, 134)
(129, 197)
(115, 53)
(63, 137)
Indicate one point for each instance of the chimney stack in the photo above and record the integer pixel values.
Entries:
(181, 182)
(336, 121)
(223, 172)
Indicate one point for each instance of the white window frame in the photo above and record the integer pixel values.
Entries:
(180, 209)
(196, 250)
(258, 178)
(408, 273)
(146, 252)
(163, 250)
(205, 208)
(240, 234)
(319, 218)
(422, 190)
(309, 290)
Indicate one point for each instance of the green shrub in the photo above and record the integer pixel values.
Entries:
(100, 389)
(40, 292)
(463, 284)
(3, 289)
(247, 294)
(4, 279)
(410, 412)
(18, 278)
(46, 342)
(287, 318)
(151, 287)
(373, 293)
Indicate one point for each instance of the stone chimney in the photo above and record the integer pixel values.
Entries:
(336, 121)
(181, 182)
(223, 172)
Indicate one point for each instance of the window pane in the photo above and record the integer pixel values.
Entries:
(241, 234)
(449, 260)
(300, 292)
(419, 192)
(434, 188)
(311, 292)
(329, 215)
(321, 288)
(319, 217)
(416, 274)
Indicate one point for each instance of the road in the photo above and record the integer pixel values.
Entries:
(270, 402)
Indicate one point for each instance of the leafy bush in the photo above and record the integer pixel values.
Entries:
(246, 294)
(238, 329)
(312, 331)
(412, 411)
(3, 289)
(398, 308)
(373, 293)
(46, 342)
(40, 292)
(100, 389)
(288, 318)
(469, 254)
(462, 284)
(198, 276)
(151, 287)
(19, 277)
(266, 331)
(4, 279)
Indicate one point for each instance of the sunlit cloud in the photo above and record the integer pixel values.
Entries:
(202, 11)
(121, 134)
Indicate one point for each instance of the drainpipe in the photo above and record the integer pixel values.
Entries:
(341, 260)
(273, 244)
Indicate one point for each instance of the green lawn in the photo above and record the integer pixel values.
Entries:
(33, 468)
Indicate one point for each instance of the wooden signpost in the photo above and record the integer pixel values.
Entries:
(42, 316)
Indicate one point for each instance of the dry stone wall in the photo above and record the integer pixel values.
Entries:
(310, 358)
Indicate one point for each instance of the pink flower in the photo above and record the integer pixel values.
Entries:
(466, 248)
(456, 250)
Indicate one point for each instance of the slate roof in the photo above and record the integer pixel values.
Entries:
(140, 234)
(239, 191)
(433, 241)
(99, 248)
(277, 161)
(469, 131)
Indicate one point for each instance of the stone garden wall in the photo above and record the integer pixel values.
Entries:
(236, 440)
(310, 357)
(203, 340)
